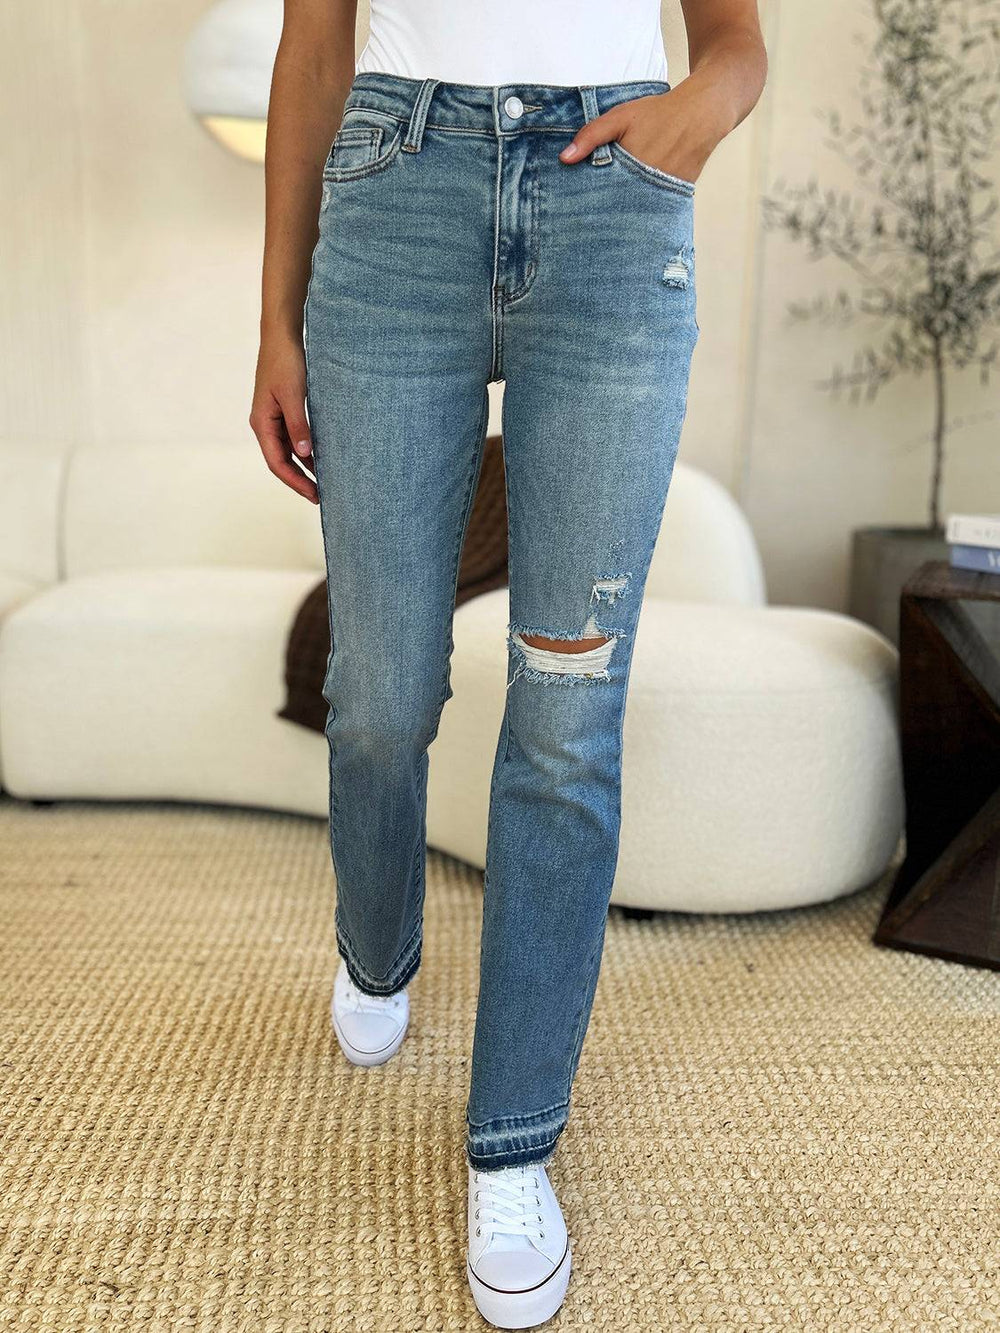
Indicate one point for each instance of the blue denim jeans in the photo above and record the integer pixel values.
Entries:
(455, 249)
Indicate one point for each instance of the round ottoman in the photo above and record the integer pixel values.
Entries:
(761, 766)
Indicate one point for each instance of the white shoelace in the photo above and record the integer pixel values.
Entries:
(509, 1202)
(371, 1004)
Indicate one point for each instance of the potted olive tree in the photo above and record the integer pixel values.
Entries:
(917, 237)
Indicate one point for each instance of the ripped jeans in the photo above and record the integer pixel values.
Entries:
(456, 249)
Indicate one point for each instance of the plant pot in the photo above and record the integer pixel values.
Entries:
(882, 559)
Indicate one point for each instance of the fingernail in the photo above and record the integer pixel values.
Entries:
(569, 153)
(302, 447)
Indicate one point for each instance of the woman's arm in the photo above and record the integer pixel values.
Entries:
(312, 77)
(677, 131)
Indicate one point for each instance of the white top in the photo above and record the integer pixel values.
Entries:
(516, 41)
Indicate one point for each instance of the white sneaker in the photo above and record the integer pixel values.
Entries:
(370, 1028)
(519, 1257)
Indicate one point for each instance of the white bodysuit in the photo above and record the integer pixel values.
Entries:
(516, 41)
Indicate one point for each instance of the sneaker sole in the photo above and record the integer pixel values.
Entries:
(368, 1059)
(521, 1309)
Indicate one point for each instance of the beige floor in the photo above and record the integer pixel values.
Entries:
(776, 1125)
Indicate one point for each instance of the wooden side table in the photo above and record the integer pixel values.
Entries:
(946, 896)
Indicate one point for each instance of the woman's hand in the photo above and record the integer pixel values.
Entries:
(313, 70)
(677, 131)
(674, 132)
(278, 418)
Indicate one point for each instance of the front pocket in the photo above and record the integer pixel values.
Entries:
(354, 146)
(653, 174)
(367, 141)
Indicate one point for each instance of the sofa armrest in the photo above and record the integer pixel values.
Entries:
(194, 505)
(31, 483)
(706, 551)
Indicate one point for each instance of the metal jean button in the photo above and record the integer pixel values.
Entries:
(514, 108)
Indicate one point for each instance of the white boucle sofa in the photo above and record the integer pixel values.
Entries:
(145, 597)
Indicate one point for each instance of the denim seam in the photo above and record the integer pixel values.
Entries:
(419, 868)
(495, 1142)
(342, 175)
(376, 110)
(538, 1143)
(511, 583)
(456, 562)
(403, 968)
(539, 1155)
(577, 1047)
(519, 1143)
(331, 710)
(497, 303)
(348, 133)
(579, 1024)
(459, 129)
(564, 130)
(531, 267)
(519, 1151)
(504, 744)
(364, 79)
(516, 1139)
(515, 1121)
(669, 184)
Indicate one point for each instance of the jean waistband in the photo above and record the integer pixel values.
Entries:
(506, 109)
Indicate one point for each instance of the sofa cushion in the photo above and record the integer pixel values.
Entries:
(152, 506)
(31, 482)
(157, 684)
(14, 590)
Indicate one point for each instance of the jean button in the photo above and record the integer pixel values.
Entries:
(514, 108)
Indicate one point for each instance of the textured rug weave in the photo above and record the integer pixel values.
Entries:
(775, 1125)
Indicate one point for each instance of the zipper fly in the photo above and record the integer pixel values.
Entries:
(516, 235)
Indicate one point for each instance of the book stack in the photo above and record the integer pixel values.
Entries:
(974, 541)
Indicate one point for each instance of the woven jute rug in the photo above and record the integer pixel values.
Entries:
(775, 1125)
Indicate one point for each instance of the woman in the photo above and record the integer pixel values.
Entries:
(508, 196)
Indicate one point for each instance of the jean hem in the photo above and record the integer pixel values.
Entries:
(402, 972)
(515, 1141)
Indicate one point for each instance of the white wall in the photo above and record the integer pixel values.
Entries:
(813, 467)
(130, 250)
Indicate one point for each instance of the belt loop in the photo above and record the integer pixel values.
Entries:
(601, 155)
(418, 117)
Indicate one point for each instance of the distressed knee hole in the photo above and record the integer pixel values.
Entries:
(562, 645)
(571, 658)
(567, 660)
